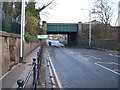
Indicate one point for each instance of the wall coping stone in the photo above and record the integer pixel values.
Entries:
(2, 33)
(14, 35)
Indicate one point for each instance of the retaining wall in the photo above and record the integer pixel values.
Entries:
(10, 50)
(98, 44)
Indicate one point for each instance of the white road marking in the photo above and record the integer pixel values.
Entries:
(109, 63)
(83, 58)
(107, 69)
(114, 55)
(117, 55)
(94, 57)
(56, 76)
(111, 54)
(51, 74)
(116, 70)
(106, 62)
(115, 63)
(71, 52)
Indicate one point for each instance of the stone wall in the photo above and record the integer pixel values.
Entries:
(5, 57)
(0, 56)
(28, 47)
(105, 44)
(10, 50)
(83, 41)
(0, 16)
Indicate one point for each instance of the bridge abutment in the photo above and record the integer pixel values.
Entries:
(44, 25)
(72, 39)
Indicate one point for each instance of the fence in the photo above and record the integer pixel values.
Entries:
(11, 25)
(35, 69)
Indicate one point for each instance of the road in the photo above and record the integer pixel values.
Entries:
(85, 68)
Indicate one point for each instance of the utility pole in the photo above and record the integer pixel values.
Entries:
(22, 30)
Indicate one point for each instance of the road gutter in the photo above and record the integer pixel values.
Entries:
(56, 76)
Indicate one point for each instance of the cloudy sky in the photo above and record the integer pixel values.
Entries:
(71, 11)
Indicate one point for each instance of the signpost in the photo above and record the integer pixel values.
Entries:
(42, 36)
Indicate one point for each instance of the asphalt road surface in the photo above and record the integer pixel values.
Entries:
(85, 68)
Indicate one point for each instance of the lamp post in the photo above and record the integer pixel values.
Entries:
(90, 29)
(22, 29)
(119, 13)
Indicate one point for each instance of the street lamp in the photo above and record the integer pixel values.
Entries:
(119, 13)
(89, 27)
(22, 29)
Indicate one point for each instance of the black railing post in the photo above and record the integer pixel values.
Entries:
(34, 74)
(20, 84)
(41, 55)
(37, 60)
(36, 71)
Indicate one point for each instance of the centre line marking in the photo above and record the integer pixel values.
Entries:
(83, 58)
(94, 57)
(105, 62)
(115, 63)
(116, 70)
(107, 69)
(114, 55)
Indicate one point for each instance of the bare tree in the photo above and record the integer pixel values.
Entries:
(104, 10)
(43, 7)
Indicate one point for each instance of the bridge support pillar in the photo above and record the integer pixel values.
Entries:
(79, 33)
(44, 25)
(72, 39)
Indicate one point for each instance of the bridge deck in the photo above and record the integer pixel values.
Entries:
(62, 27)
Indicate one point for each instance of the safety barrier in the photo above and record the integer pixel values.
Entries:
(35, 70)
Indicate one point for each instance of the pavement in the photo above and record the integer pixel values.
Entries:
(20, 71)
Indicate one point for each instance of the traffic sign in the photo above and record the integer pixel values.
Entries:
(42, 36)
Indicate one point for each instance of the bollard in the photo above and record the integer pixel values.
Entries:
(20, 84)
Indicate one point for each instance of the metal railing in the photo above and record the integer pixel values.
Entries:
(35, 70)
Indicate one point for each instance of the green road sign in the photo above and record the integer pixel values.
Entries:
(42, 36)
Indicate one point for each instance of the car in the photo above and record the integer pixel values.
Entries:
(54, 43)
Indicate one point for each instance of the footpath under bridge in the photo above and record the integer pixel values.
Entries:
(64, 28)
